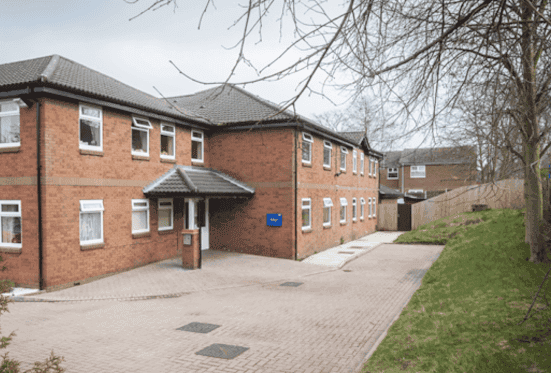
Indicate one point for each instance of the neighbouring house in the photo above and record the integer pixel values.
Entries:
(97, 177)
(426, 173)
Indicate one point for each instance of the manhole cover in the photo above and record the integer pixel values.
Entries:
(347, 270)
(222, 351)
(346, 252)
(295, 284)
(198, 327)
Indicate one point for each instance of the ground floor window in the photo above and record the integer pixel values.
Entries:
(362, 207)
(374, 202)
(344, 203)
(91, 221)
(140, 216)
(166, 214)
(10, 223)
(327, 204)
(354, 209)
(306, 213)
(369, 206)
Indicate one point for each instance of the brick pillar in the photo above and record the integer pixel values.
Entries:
(191, 253)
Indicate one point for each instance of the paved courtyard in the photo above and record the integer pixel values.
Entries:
(329, 323)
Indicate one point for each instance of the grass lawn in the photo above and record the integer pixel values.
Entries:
(465, 315)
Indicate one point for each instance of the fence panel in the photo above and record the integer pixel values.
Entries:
(503, 194)
(387, 217)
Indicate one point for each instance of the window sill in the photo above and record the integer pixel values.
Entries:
(196, 161)
(141, 235)
(140, 157)
(10, 149)
(343, 223)
(168, 231)
(304, 164)
(92, 247)
(307, 230)
(354, 220)
(91, 152)
(13, 250)
(326, 168)
(326, 226)
(342, 171)
(362, 219)
(168, 160)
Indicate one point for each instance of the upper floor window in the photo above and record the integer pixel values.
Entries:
(392, 173)
(91, 127)
(91, 221)
(166, 214)
(327, 204)
(375, 165)
(10, 223)
(327, 146)
(369, 169)
(307, 141)
(9, 124)
(197, 146)
(306, 213)
(140, 136)
(354, 161)
(168, 136)
(417, 172)
(362, 163)
(344, 152)
(140, 215)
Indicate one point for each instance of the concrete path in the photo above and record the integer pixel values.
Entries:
(331, 322)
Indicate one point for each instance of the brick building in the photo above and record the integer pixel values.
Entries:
(428, 172)
(117, 174)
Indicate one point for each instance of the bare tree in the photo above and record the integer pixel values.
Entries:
(421, 57)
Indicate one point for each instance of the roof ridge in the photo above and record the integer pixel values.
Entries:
(50, 68)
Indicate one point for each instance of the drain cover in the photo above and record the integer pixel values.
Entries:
(222, 351)
(295, 284)
(346, 252)
(359, 247)
(347, 270)
(198, 327)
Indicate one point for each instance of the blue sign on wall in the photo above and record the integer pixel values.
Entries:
(274, 220)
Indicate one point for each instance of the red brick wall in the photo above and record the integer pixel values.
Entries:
(18, 182)
(317, 182)
(263, 159)
(394, 184)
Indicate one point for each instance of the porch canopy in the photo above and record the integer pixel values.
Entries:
(192, 181)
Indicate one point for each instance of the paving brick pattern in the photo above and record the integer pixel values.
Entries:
(328, 324)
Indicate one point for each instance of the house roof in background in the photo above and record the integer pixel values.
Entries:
(189, 180)
(58, 71)
(430, 156)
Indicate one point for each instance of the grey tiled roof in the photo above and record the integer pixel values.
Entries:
(230, 104)
(57, 71)
(389, 192)
(430, 156)
(354, 137)
(189, 180)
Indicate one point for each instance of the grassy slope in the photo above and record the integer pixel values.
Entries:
(464, 316)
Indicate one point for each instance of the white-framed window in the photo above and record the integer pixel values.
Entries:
(307, 141)
(374, 202)
(415, 191)
(140, 136)
(369, 211)
(197, 146)
(369, 170)
(344, 203)
(362, 163)
(362, 207)
(327, 204)
(375, 166)
(417, 172)
(168, 141)
(166, 214)
(306, 213)
(90, 127)
(91, 221)
(10, 224)
(344, 152)
(354, 161)
(10, 128)
(140, 215)
(392, 174)
(327, 146)
(354, 209)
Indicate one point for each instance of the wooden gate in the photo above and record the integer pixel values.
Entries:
(404, 217)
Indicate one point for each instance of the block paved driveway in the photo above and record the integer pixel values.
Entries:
(330, 323)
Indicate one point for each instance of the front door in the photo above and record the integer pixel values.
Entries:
(202, 221)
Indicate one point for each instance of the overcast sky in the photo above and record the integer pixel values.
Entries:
(99, 35)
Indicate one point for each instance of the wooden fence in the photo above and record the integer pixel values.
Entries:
(387, 217)
(503, 194)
